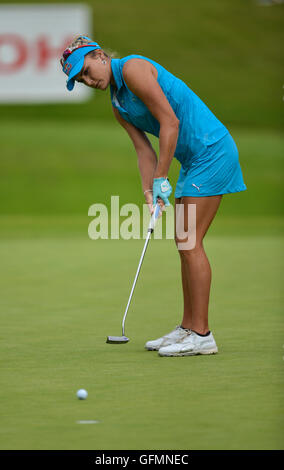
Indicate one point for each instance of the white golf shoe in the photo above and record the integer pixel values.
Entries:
(171, 338)
(191, 345)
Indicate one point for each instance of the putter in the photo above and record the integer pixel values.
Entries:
(123, 339)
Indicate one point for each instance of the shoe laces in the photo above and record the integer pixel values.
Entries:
(187, 330)
(177, 328)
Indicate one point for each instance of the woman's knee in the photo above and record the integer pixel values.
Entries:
(188, 246)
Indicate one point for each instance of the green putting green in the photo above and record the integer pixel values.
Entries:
(62, 297)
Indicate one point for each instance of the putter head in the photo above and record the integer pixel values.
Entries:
(117, 339)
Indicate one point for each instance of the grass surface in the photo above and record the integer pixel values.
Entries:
(62, 294)
(62, 297)
(64, 168)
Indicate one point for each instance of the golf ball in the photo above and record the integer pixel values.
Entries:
(82, 394)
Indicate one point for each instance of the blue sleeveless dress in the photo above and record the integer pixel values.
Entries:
(207, 152)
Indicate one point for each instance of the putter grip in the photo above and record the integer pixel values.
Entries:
(154, 218)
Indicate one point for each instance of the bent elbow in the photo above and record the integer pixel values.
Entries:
(171, 124)
(175, 123)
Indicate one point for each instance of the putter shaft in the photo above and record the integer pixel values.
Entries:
(135, 280)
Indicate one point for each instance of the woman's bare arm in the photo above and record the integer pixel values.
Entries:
(141, 79)
(147, 158)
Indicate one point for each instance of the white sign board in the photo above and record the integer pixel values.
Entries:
(32, 39)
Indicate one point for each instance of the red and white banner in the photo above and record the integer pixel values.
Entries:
(32, 39)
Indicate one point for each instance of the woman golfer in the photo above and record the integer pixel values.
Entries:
(147, 98)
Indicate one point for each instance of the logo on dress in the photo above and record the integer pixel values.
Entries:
(196, 186)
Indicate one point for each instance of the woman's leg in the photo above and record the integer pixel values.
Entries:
(195, 267)
(187, 310)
